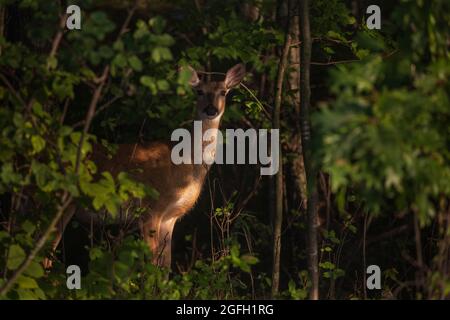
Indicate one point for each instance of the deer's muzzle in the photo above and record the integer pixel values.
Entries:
(211, 111)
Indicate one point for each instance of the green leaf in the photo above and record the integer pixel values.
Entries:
(25, 282)
(156, 55)
(38, 143)
(118, 45)
(162, 85)
(52, 63)
(34, 270)
(161, 53)
(95, 253)
(120, 61)
(362, 53)
(149, 82)
(8, 174)
(327, 265)
(249, 259)
(25, 294)
(335, 35)
(135, 63)
(28, 227)
(16, 256)
(39, 293)
(157, 24)
(112, 207)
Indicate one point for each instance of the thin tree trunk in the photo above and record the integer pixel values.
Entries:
(278, 212)
(305, 91)
(2, 23)
(420, 276)
(297, 165)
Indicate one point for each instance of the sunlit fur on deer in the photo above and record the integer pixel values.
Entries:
(179, 186)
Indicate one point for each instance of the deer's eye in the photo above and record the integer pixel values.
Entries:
(200, 92)
(223, 93)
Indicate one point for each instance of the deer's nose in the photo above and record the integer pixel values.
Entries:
(210, 111)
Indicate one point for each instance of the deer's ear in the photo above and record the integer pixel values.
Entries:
(194, 80)
(234, 76)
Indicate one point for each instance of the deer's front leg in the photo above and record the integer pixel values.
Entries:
(157, 232)
(164, 253)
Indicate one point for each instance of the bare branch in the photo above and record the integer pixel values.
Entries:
(98, 111)
(66, 201)
(98, 90)
(333, 62)
(11, 88)
(58, 37)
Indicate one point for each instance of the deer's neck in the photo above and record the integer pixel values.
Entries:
(204, 144)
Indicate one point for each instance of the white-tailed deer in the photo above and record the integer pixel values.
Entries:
(179, 186)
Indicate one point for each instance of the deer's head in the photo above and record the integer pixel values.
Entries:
(211, 95)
